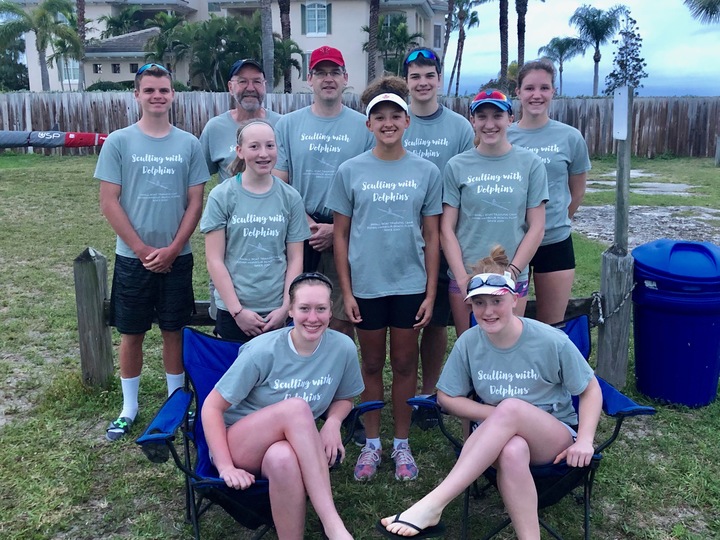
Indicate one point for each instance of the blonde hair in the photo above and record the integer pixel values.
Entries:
(495, 263)
(238, 164)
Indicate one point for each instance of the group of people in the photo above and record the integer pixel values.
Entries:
(366, 225)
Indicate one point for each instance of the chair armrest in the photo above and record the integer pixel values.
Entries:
(168, 419)
(617, 404)
(355, 413)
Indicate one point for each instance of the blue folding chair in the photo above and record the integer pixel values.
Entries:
(554, 482)
(206, 358)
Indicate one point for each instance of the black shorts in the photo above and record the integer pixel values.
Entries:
(441, 307)
(397, 311)
(139, 295)
(227, 328)
(554, 257)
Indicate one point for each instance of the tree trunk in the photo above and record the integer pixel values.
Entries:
(521, 8)
(452, 73)
(596, 76)
(372, 39)
(81, 30)
(461, 49)
(448, 29)
(268, 43)
(284, 6)
(44, 76)
(502, 82)
(560, 70)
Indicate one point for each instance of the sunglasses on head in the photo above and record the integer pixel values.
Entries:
(493, 280)
(152, 65)
(420, 52)
(306, 276)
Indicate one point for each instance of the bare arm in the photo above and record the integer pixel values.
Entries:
(451, 246)
(580, 453)
(431, 235)
(464, 407)
(577, 183)
(282, 175)
(119, 221)
(535, 219)
(342, 265)
(277, 317)
(330, 432)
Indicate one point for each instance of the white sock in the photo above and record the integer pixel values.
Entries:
(374, 442)
(130, 389)
(397, 442)
(174, 381)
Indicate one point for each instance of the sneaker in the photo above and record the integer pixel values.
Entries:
(405, 467)
(367, 463)
(118, 428)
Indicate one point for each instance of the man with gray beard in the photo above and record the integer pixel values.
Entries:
(246, 84)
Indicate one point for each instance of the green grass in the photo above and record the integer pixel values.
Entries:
(62, 480)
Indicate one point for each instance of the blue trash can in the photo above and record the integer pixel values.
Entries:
(676, 310)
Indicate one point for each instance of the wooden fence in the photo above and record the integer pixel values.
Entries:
(682, 126)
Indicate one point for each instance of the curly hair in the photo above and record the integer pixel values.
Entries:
(385, 85)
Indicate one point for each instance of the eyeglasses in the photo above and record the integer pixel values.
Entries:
(152, 66)
(335, 73)
(420, 52)
(246, 82)
(493, 280)
(306, 276)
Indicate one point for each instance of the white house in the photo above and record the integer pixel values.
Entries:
(314, 23)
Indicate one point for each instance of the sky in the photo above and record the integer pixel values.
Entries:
(682, 55)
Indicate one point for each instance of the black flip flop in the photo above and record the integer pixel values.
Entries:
(428, 532)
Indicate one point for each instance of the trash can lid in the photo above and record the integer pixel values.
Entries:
(679, 261)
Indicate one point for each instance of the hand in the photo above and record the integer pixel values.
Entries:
(352, 310)
(332, 443)
(250, 322)
(424, 314)
(577, 454)
(237, 478)
(160, 260)
(275, 319)
(321, 238)
(462, 282)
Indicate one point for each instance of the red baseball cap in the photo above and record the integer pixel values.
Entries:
(326, 53)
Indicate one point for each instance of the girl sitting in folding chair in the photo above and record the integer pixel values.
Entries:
(524, 373)
(260, 418)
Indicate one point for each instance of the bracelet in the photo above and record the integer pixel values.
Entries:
(517, 270)
(238, 312)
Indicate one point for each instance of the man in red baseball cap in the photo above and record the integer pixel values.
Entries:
(326, 54)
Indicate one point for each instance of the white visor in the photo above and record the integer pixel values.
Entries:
(394, 98)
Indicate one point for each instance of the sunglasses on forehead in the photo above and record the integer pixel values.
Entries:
(307, 276)
(420, 52)
(152, 65)
(493, 280)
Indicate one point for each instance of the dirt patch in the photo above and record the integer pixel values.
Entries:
(648, 223)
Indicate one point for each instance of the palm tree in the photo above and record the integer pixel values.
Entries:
(372, 44)
(159, 45)
(502, 81)
(128, 20)
(706, 11)
(448, 29)
(285, 33)
(66, 48)
(561, 49)
(41, 21)
(268, 42)
(284, 61)
(82, 33)
(394, 41)
(521, 7)
(465, 18)
(596, 27)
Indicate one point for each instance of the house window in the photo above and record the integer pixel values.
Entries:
(315, 19)
(437, 36)
(116, 68)
(68, 70)
(133, 68)
(97, 68)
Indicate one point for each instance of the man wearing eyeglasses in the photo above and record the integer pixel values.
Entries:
(437, 134)
(152, 177)
(312, 143)
(246, 84)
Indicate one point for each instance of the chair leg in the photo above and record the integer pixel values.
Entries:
(588, 492)
(497, 529)
(465, 514)
(549, 529)
(261, 532)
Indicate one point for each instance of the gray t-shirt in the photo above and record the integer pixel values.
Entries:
(219, 139)
(257, 230)
(543, 368)
(387, 201)
(268, 371)
(155, 174)
(440, 137)
(311, 148)
(492, 195)
(564, 153)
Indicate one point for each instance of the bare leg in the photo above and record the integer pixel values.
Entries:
(291, 420)
(461, 313)
(552, 290)
(130, 355)
(433, 346)
(346, 327)
(520, 306)
(373, 351)
(287, 490)
(403, 360)
(545, 436)
(172, 352)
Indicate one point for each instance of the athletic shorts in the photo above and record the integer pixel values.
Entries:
(397, 311)
(227, 328)
(139, 295)
(441, 307)
(521, 288)
(554, 257)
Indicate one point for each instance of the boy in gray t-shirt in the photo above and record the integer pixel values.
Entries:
(152, 178)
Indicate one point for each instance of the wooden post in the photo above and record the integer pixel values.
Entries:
(616, 275)
(717, 150)
(96, 362)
